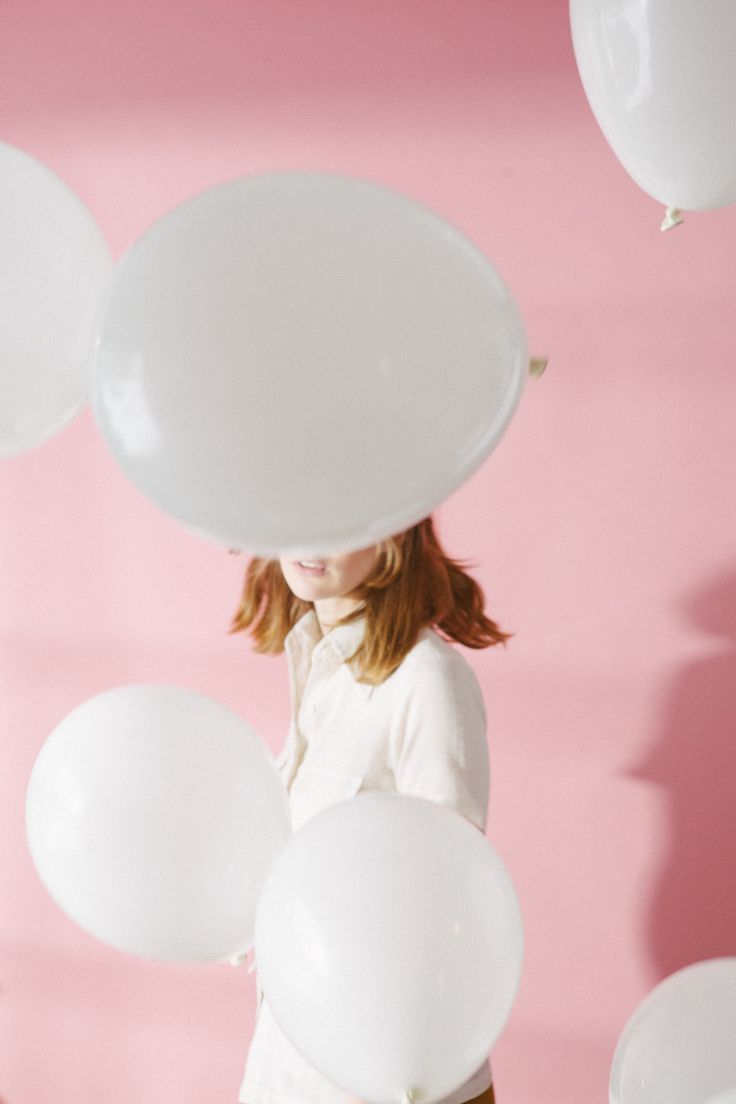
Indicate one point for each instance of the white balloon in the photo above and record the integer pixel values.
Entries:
(304, 362)
(679, 1047)
(54, 265)
(153, 814)
(660, 76)
(389, 944)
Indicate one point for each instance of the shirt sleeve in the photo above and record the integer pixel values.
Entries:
(441, 750)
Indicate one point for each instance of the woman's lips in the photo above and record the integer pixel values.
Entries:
(310, 567)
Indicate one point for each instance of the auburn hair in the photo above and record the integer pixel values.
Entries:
(413, 585)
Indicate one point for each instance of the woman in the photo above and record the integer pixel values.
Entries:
(380, 701)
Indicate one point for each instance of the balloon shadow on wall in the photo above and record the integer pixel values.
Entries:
(694, 759)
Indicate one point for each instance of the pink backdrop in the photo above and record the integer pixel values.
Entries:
(603, 527)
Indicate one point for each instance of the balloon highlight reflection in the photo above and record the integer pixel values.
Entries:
(389, 945)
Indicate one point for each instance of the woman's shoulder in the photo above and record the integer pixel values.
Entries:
(436, 687)
(435, 658)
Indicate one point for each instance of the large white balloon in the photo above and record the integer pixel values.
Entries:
(679, 1047)
(304, 362)
(54, 265)
(153, 814)
(660, 76)
(388, 940)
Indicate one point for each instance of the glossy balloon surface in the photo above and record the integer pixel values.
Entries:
(679, 1047)
(389, 944)
(304, 362)
(660, 76)
(54, 267)
(153, 815)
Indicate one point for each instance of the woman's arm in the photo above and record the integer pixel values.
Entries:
(440, 749)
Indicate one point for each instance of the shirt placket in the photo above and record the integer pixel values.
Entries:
(299, 656)
(324, 662)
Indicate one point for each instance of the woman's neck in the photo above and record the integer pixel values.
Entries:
(331, 610)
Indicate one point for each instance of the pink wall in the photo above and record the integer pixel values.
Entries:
(603, 527)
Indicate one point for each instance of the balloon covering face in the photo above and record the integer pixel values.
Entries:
(314, 579)
(304, 361)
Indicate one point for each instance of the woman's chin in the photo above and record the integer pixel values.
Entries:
(307, 594)
(309, 590)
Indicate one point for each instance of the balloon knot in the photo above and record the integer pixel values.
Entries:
(241, 958)
(673, 217)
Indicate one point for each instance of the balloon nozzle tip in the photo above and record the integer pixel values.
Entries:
(673, 217)
(240, 958)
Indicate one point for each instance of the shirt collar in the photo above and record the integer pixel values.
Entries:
(306, 636)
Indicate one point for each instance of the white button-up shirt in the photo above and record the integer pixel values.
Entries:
(421, 732)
